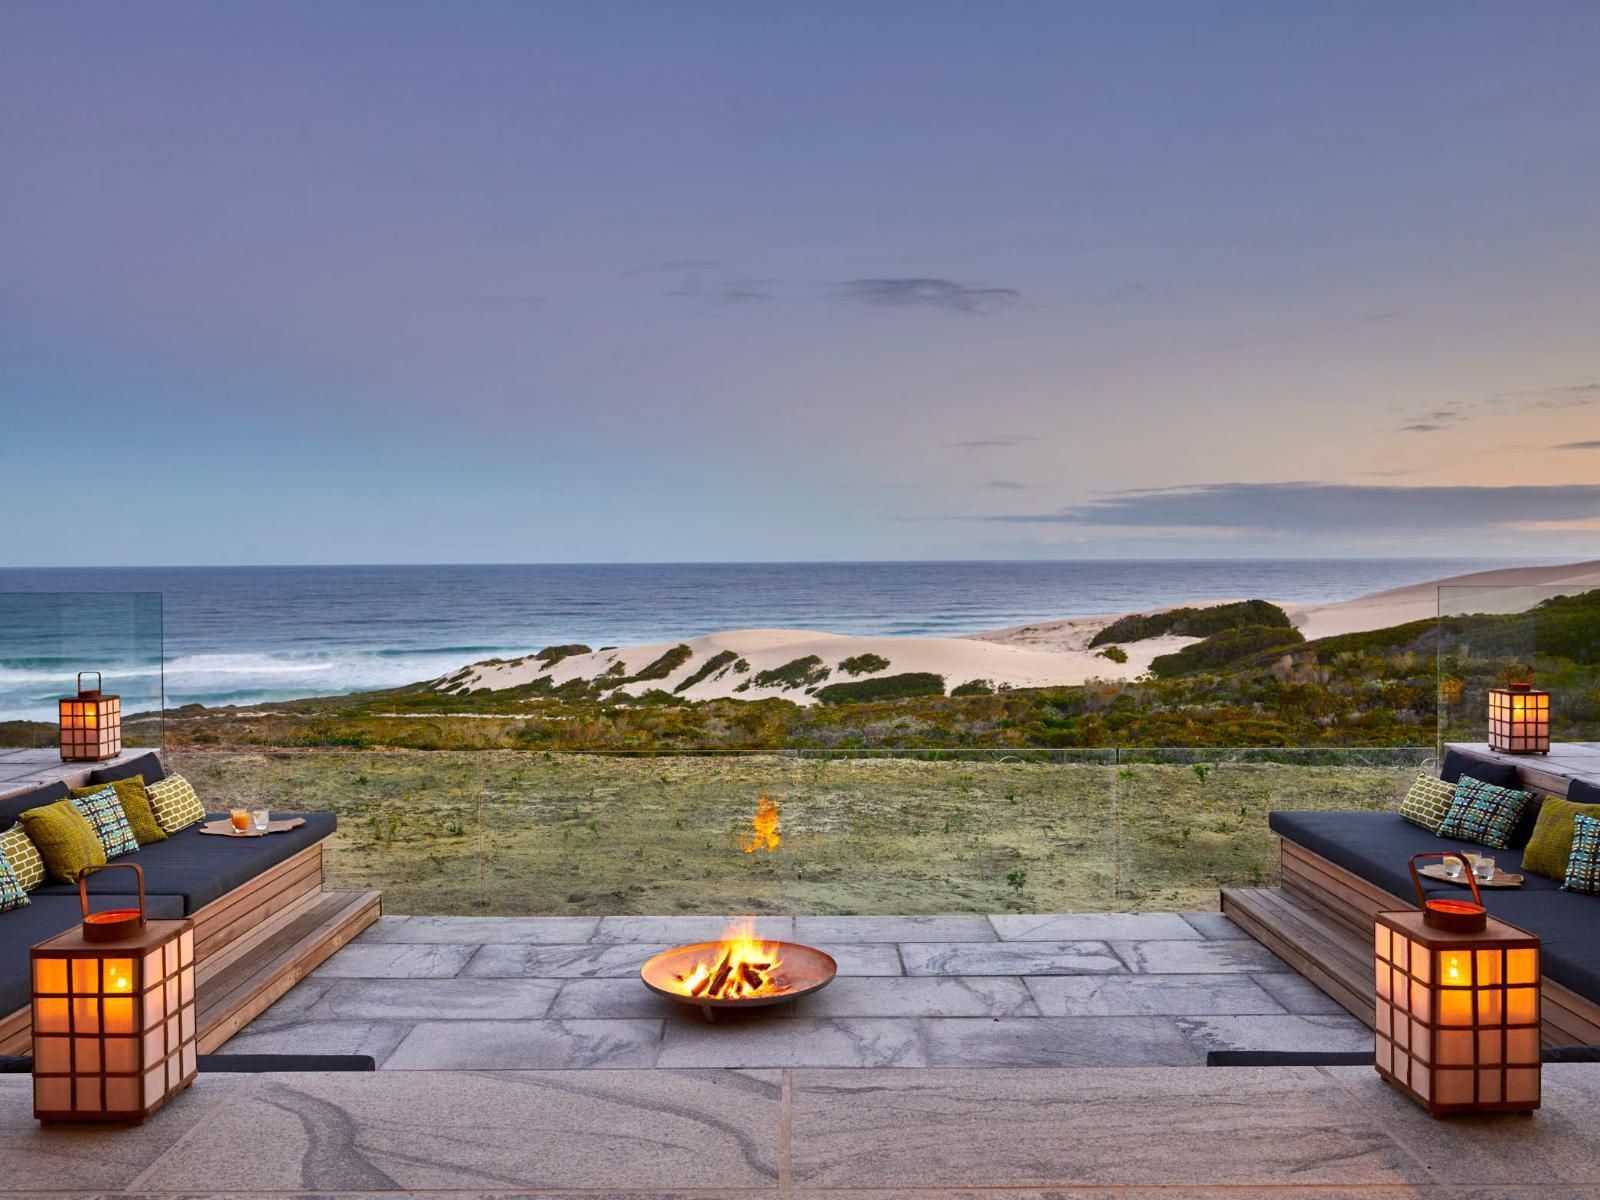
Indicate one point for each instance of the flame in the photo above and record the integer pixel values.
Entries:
(735, 968)
(764, 827)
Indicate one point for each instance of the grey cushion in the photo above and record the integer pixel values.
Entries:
(44, 917)
(1376, 845)
(148, 765)
(11, 806)
(200, 867)
(1457, 764)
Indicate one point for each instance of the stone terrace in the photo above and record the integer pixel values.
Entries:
(1079, 990)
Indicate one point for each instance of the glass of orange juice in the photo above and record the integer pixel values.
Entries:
(240, 818)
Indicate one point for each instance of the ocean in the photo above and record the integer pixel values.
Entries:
(242, 635)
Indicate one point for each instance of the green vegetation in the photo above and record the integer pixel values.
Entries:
(863, 664)
(715, 663)
(796, 673)
(887, 687)
(551, 655)
(974, 687)
(1227, 649)
(1115, 653)
(1192, 622)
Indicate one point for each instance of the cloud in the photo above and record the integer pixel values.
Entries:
(1006, 485)
(917, 292)
(1423, 427)
(1392, 473)
(995, 440)
(1577, 446)
(1307, 507)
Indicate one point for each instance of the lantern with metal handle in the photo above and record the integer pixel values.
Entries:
(113, 1014)
(1519, 718)
(91, 723)
(1457, 1017)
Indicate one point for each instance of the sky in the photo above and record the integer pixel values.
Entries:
(483, 282)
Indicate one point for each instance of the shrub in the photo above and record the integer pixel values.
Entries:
(885, 687)
(797, 672)
(1115, 653)
(715, 662)
(863, 664)
(1223, 650)
(1192, 622)
(974, 687)
(551, 655)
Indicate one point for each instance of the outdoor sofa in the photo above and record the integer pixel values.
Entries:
(261, 917)
(1340, 868)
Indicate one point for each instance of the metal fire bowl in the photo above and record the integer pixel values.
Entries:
(802, 970)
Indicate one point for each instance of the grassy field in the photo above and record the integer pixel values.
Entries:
(504, 832)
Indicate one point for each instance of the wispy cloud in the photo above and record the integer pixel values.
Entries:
(1577, 446)
(993, 441)
(1006, 485)
(927, 292)
(1423, 427)
(1308, 507)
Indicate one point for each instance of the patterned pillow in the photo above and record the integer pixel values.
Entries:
(104, 813)
(27, 864)
(12, 893)
(1428, 802)
(176, 805)
(135, 801)
(1583, 868)
(1483, 813)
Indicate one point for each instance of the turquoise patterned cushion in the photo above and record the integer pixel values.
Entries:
(1483, 813)
(1583, 868)
(12, 894)
(104, 813)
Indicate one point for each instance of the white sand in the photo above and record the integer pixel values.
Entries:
(1041, 654)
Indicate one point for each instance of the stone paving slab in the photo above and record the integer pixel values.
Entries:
(812, 930)
(433, 999)
(527, 1045)
(801, 1041)
(1095, 927)
(478, 931)
(865, 1134)
(679, 931)
(1044, 1042)
(1151, 995)
(1010, 958)
(1200, 958)
(1341, 1032)
(361, 960)
(930, 996)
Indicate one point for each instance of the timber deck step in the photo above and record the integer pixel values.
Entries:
(1326, 951)
(276, 956)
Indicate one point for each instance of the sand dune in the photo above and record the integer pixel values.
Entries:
(1040, 654)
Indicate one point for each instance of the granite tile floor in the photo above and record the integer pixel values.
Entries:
(1038, 991)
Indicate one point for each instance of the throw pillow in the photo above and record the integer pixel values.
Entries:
(102, 810)
(176, 805)
(135, 801)
(1583, 868)
(1427, 801)
(66, 841)
(1550, 847)
(1483, 813)
(12, 893)
(23, 855)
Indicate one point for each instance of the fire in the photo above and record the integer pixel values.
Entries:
(764, 827)
(737, 967)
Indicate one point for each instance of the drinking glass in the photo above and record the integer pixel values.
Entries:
(259, 818)
(1483, 868)
(1452, 868)
(240, 819)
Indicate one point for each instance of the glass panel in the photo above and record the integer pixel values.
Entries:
(50, 636)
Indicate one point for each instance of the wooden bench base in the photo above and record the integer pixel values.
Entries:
(252, 945)
(1321, 920)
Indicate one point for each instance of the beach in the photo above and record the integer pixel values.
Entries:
(1031, 655)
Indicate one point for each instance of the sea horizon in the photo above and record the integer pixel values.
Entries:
(256, 633)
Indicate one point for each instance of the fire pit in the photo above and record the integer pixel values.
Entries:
(740, 971)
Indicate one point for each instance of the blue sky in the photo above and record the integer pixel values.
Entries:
(529, 282)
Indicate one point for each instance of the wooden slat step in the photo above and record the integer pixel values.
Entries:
(249, 985)
(1328, 954)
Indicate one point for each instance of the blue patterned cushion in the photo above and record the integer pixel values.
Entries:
(12, 894)
(1483, 813)
(104, 813)
(1583, 868)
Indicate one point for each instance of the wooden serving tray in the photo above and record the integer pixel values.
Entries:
(1502, 879)
(224, 828)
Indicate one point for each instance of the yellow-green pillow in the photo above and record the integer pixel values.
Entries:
(1550, 846)
(66, 840)
(135, 801)
(23, 855)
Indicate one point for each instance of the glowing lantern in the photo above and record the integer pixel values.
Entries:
(113, 1014)
(1519, 718)
(91, 724)
(1458, 1005)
